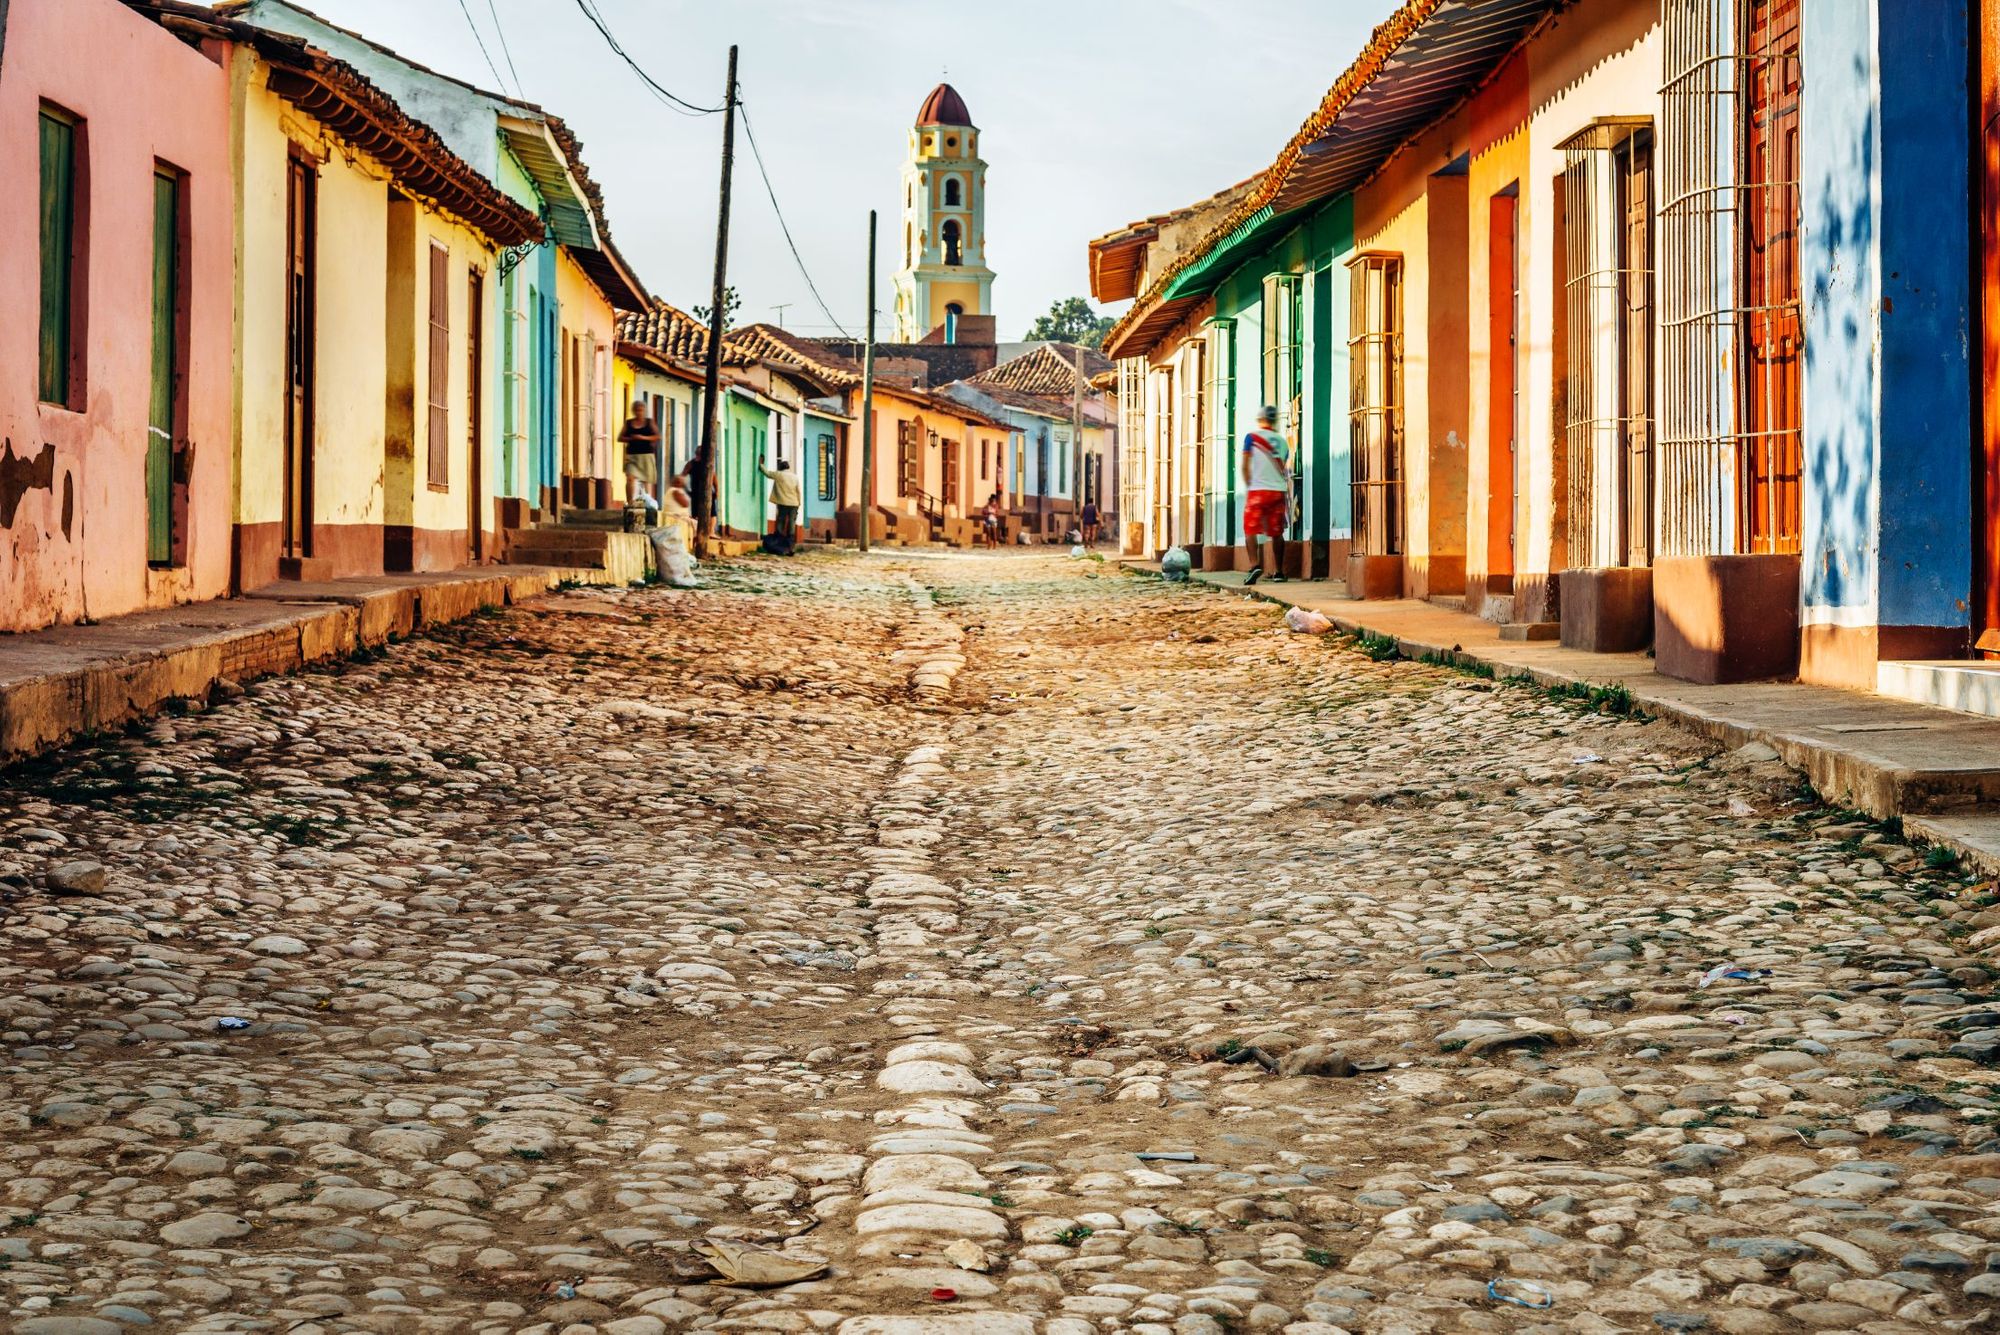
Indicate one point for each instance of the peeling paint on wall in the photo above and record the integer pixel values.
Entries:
(20, 475)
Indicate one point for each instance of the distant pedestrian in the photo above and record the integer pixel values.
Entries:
(990, 521)
(1267, 485)
(641, 439)
(1090, 523)
(785, 495)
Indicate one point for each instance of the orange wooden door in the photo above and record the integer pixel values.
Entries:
(1774, 341)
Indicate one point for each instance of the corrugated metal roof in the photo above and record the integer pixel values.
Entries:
(568, 212)
(1425, 60)
(1432, 70)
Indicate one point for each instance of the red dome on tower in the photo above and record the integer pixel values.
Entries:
(944, 107)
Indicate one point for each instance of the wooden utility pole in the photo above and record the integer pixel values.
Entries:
(867, 508)
(1076, 446)
(711, 407)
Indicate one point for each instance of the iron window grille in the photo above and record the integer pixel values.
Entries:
(1607, 383)
(1375, 401)
(1727, 471)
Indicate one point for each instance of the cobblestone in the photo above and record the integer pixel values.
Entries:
(1045, 950)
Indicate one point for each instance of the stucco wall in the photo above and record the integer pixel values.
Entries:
(1888, 375)
(1493, 508)
(585, 313)
(1603, 58)
(349, 394)
(73, 518)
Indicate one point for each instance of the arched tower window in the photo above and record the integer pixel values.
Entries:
(951, 192)
(909, 244)
(952, 310)
(949, 235)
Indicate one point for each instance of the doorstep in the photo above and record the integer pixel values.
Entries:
(1968, 685)
(1876, 754)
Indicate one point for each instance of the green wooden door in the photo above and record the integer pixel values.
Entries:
(166, 364)
(58, 224)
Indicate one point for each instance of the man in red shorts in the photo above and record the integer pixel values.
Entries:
(1267, 495)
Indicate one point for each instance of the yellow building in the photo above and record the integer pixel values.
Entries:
(363, 404)
(943, 277)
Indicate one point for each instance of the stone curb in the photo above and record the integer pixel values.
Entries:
(1839, 775)
(73, 681)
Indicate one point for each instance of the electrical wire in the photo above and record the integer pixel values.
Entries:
(757, 157)
(681, 104)
(505, 50)
(482, 44)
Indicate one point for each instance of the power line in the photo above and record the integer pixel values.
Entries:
(758, 158)
(482, 44)
(501, 29)
(597, 21)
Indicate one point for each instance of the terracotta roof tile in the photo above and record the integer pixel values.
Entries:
(347, 102)
(767, 342)
(1047, 371)
(667, 330)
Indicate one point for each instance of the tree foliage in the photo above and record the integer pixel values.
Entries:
(1071, 320)
(731, 303)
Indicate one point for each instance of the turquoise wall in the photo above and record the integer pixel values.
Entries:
(1317, 250)
(746, 425)
(809, 468)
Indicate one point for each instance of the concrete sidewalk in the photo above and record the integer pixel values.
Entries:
(1936, 770)
(70, 681)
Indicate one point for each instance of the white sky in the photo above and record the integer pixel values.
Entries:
(1091, 113)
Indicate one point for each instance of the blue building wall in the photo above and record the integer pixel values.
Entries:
(1885, 264)
(816, 506)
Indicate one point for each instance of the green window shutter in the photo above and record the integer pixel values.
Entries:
(58, 254)
(166, 362)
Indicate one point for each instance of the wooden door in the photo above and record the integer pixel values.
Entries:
(162, 425)
(1503, 325)
(1774, 342)
(475, 418)
(295, 526)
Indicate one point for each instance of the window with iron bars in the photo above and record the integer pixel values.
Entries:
(1607, 354)
(824, 473)
(1375, 401)
(1727, 467)
(1219, 465)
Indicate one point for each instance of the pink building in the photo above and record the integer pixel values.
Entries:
(117, 279)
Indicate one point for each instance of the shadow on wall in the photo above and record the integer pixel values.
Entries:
(1841, 449)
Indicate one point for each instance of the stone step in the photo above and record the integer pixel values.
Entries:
(1970, 686)
(568, 539)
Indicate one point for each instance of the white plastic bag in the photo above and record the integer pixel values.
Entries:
(1305, 621)
(1175, 564)
(670, 553)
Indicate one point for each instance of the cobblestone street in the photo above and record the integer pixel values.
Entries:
(1044, 949)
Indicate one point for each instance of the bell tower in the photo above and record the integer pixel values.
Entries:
(943, 275)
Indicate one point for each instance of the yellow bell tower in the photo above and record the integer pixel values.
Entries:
(944, 275)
